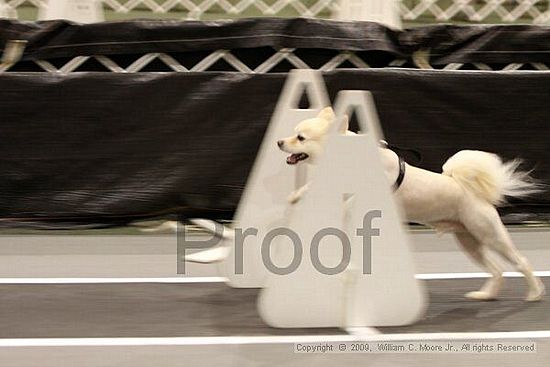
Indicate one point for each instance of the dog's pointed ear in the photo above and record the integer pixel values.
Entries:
(344, 124)
(326, 114)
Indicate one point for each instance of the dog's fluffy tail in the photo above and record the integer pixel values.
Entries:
(487, 176)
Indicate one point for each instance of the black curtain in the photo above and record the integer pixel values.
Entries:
(105, 148)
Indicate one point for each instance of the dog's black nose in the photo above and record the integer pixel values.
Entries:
(280, 143)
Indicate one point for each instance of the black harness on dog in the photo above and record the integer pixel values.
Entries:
(401, 176)
(402, 166)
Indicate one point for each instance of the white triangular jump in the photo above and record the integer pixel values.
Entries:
(348, 193)
(264, 205)
(349, 205)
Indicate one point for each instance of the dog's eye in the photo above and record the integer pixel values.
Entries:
(300, 138)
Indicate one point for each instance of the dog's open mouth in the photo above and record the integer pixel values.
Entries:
(296, 157)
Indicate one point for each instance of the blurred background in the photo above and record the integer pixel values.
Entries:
(111, 127)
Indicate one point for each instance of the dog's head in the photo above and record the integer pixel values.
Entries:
(310, 135)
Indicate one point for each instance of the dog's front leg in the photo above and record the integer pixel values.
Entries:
(296, 195)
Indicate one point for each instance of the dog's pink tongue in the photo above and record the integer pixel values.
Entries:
(292, 159)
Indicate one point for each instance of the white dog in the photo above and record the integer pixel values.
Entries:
(461, 200)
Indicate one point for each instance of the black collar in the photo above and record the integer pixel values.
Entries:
(402, 166)
(401, 176)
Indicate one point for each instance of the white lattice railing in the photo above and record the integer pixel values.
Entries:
(281, 60)
(199, 9)
(531, 11)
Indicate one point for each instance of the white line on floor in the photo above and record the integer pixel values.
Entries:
(229, 340)
(111, 280)
(100, 280)
(359, 332)
(508, 274)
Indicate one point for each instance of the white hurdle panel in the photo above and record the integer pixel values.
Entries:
(347, 186)
(264, 204)
(375, 285)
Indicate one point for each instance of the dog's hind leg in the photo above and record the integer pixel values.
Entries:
(485, 225)
(478, 253)
(505, 247)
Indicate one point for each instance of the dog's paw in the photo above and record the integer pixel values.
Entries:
(480, 296)
(170, 226)
(294, 197)
(536, 295)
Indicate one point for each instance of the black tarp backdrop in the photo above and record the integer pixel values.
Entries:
(100, 148)
(490, 44)
(91, 149)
